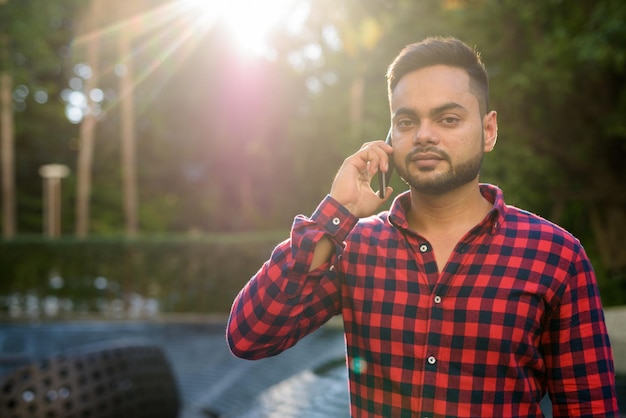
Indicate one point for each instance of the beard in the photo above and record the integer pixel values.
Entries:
(456, 175)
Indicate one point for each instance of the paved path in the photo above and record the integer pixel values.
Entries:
(306, 381)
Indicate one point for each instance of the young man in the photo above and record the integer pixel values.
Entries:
(454, 304)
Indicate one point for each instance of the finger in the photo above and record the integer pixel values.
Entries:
(377, 143)
(375, 158)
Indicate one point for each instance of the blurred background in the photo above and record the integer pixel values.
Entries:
(154, 151)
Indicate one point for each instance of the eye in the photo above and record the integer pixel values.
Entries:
(450, 120)
(405, 123)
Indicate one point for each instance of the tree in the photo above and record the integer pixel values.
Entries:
(37, 37)
(90, 27)
(6, 134)
(559, 81)
(227, 144)
(558, 84)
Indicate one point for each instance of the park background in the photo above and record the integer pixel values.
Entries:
(194, 131)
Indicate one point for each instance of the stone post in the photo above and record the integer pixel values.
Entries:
(52, 175)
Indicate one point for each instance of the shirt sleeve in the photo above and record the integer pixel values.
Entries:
(579, 361)
(283, 301)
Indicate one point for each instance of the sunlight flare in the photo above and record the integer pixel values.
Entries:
(163, 37)
(250, 22)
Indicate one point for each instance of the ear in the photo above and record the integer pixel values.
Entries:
(490, 130)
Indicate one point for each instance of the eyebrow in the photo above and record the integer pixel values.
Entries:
(406, 111)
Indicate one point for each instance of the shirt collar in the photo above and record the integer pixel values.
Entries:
(397, 215)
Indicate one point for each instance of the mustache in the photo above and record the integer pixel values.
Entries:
(427, 150)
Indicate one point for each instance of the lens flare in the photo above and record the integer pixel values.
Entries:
(250, 22)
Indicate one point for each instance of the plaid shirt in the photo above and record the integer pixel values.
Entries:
(515, 313)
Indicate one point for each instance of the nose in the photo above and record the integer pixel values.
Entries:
(425, 134)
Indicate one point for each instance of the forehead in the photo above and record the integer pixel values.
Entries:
(432, 86)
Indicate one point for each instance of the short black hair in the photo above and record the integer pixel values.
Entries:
(442, 51)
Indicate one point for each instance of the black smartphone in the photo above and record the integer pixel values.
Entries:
(383, 178)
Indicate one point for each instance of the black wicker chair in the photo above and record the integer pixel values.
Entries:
(133, 381)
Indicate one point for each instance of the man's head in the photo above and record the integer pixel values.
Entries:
(438, 93)
(441, 51)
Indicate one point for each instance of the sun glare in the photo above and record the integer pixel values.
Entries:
(249, 22)
(177, 27)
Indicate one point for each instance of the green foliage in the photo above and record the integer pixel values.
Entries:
(33, 27)
(558, 83)
(38, 35)
(232, 144)
(183, 274)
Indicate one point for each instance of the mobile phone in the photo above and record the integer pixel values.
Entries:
(383, 178)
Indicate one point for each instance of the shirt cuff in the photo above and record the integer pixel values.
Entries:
(334, 218)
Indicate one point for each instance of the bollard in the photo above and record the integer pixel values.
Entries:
(52, 175)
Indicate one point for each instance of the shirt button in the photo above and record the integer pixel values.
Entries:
(437, 299)
(336, 221)
(423, 248)
(432, 360)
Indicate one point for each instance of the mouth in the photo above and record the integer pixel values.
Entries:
(426, 160)
(426, 156)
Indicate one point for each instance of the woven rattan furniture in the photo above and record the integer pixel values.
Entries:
(133, 381)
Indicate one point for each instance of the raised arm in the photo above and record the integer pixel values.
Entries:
(287, 299)
(298, 288)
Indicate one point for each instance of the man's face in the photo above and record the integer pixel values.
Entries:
(439, 134)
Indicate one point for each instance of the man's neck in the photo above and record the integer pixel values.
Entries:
(459, 209)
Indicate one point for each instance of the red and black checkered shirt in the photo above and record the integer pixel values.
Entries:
(515, 313)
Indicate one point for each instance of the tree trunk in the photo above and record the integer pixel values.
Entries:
(357, 92)
(128, 136)
(8, 151)
(87, 131)
(7, 138)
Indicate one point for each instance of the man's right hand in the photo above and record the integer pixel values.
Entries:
(352, 185)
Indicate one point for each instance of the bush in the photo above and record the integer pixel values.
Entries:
(91, 275)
